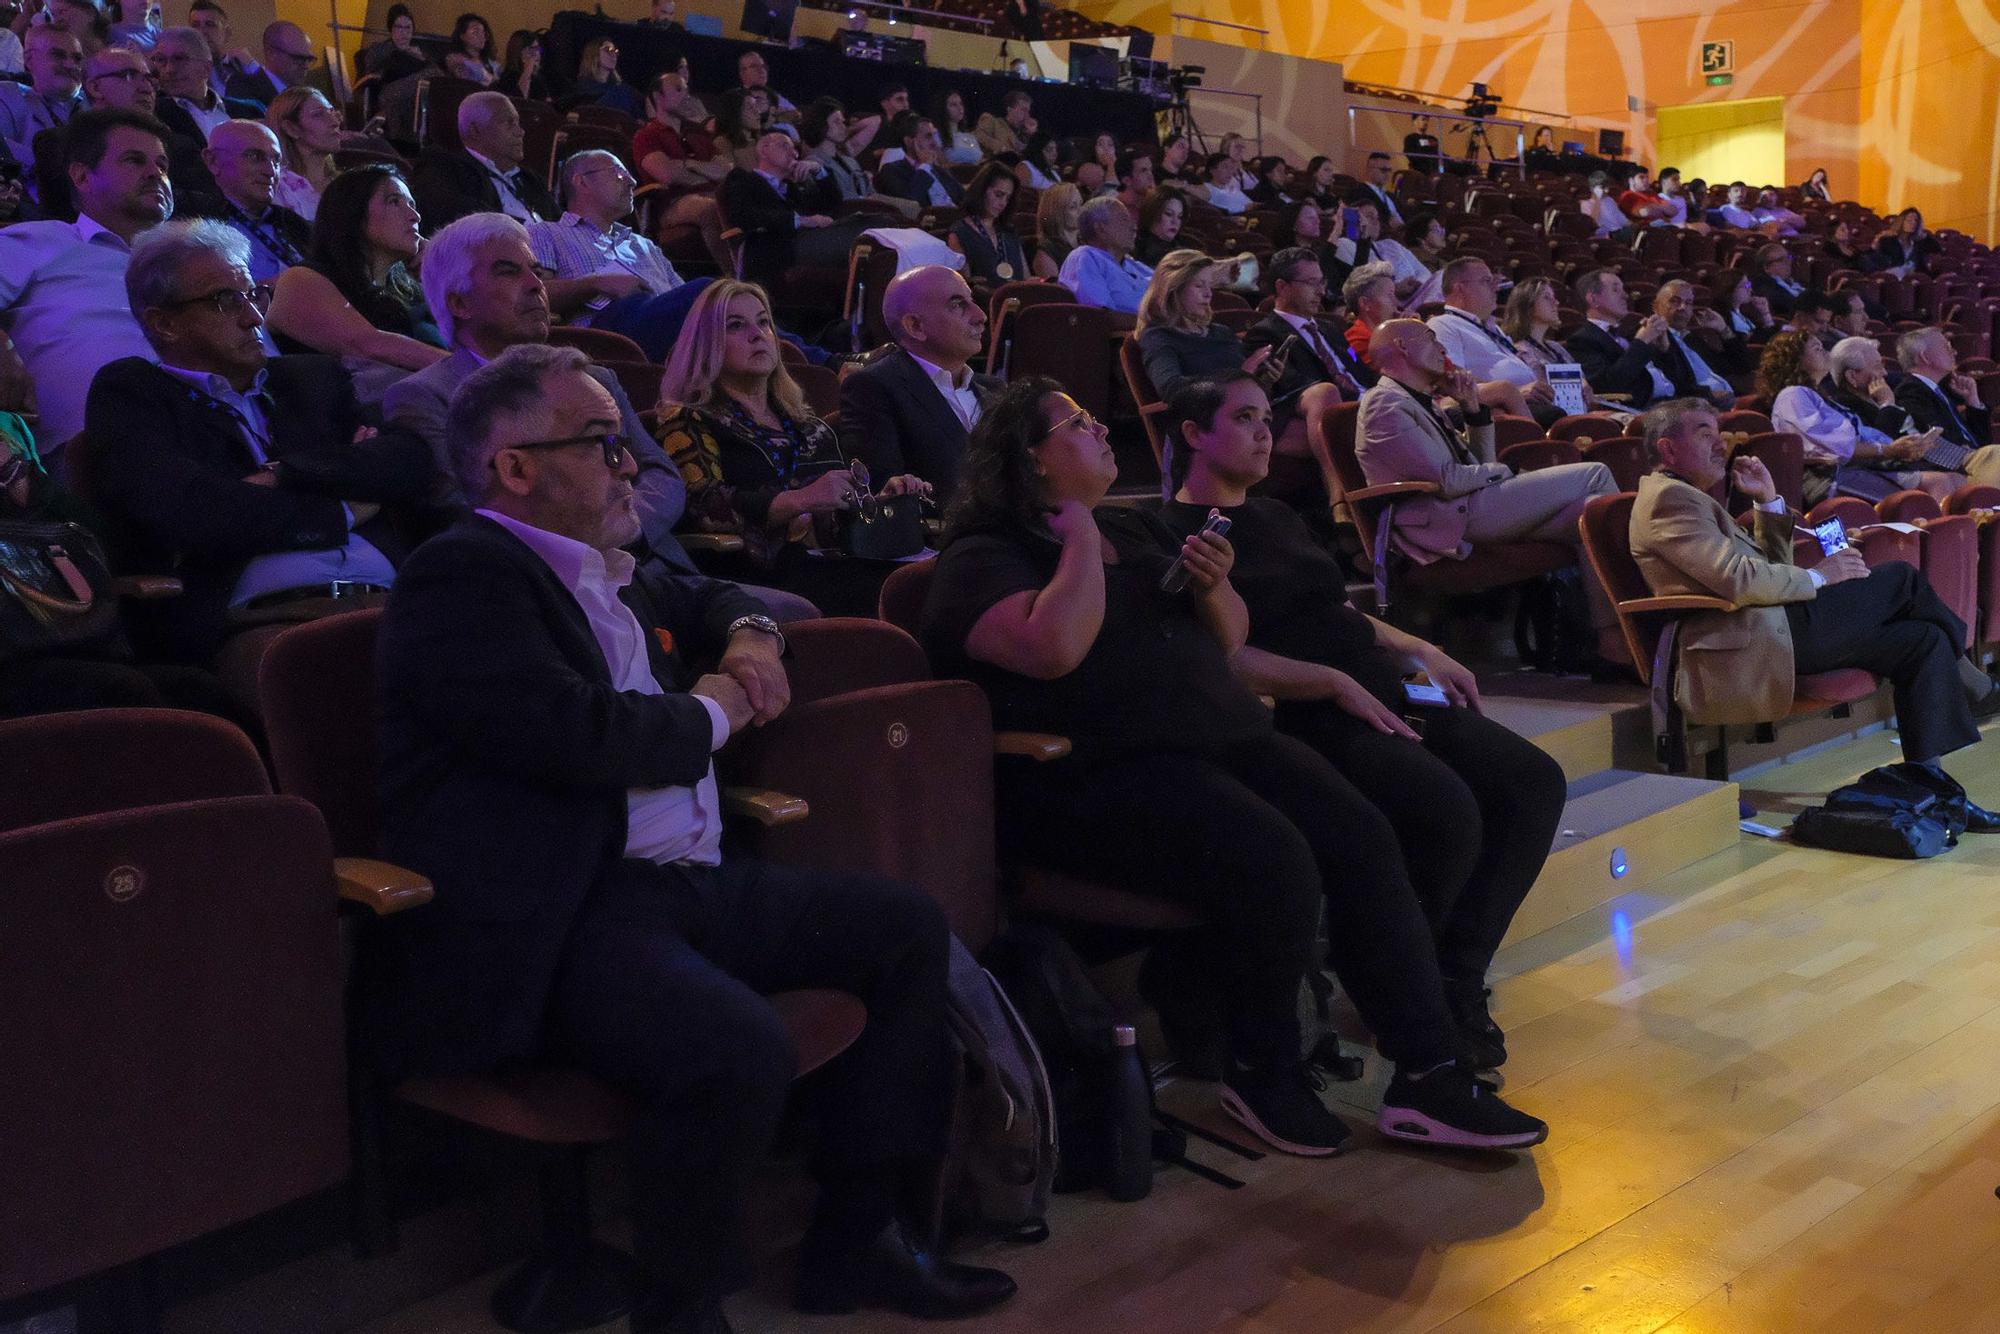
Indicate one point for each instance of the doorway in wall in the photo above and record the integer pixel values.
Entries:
(1724, 141)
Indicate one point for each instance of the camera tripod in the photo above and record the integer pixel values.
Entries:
(1477, 140)
(1180, 120)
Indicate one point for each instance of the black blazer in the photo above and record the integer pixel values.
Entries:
(1303, 368)
(1962, 425)
(168, 464)
(894, 419)
(449, 183)
(768, 219)
(1615, 370)
(1890, 251)
(250, 87)
(176, 118)
(1766, 286)
(505, 759)
(901, 179)
(1891, 418)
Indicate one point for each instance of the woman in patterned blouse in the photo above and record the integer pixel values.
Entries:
(757, 462)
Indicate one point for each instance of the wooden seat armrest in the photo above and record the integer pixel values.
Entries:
(1152, 409)
(715, 544)
(1391, 491)
(737, 234)
(381, 887)
(147, 587)
(1682, 602)
(766, 807)
(1039, 746)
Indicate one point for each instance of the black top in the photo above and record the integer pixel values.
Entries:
(1296, 592)
(1175, 356)
(1150, 249)
(396, 306)
(984, 259)
(1155, 679)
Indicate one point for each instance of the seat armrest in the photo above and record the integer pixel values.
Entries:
(1676, 603)
(381, 887)
(1391, 491)
(1039, 746)
(1152, 409)
(766, 807)
(714, 544)
(147, 587)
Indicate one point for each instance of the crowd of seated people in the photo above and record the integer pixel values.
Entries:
(316, 390)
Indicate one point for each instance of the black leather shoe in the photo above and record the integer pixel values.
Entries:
(703, 1318)
(1979, 820)
(894, 1273)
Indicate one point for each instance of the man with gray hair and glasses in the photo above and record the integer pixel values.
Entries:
(546, 744)
(1742, 666)
(251, 478)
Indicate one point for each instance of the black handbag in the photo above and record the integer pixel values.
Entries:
(56, 596)
(877, 528)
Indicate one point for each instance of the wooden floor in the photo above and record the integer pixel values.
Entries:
(1773, 1082)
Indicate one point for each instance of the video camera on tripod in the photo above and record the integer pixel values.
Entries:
(1483, 102)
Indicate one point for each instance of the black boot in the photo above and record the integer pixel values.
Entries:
(703, 1316)
(1485, 1043)
(894, 1272)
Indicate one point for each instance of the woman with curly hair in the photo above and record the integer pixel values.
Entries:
(1843, 453)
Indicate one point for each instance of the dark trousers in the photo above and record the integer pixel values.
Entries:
(661, 992)
(1893, 624)
(1459, 824)
(1255, 839)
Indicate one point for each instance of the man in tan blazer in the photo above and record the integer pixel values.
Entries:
(1741, 666)
(1402, 435)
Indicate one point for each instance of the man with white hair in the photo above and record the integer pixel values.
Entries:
(1101, 270)
(1936, 393)
(188, 105)
(1857, 381)
(251, 478)
(484, 176)
(480, 281)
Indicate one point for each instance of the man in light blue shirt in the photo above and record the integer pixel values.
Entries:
(52, 95)
(62, 284)
(1101, 270)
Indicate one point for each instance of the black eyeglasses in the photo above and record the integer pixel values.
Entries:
(230, 300)
(611, 442)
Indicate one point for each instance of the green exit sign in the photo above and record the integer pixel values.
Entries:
(1721, 80)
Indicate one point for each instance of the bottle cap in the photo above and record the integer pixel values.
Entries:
(1124, 1035)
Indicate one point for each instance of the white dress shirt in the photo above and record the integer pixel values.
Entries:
(1703, 374)
(206, 118)
(958, 394)
(662, 824)
(1480, 348)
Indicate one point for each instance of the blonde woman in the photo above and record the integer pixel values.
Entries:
(1056, 213)
(308, 128)
(756, 461)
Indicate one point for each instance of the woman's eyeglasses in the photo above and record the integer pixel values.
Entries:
(1080, 417)
(611, 442)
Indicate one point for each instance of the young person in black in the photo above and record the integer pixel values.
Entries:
(1452, 824)
(1178, 785)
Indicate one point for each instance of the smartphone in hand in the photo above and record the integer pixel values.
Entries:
(1176, 578)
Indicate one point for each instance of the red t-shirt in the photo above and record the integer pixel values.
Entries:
(690, 144)
(1359, 336)
(1632, 201)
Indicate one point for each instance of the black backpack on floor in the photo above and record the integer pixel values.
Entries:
(1899, 810)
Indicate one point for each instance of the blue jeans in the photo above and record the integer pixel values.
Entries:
(654, 321)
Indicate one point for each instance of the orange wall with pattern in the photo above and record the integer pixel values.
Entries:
(1899, 101)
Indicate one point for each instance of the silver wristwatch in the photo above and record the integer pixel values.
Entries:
(763, 623)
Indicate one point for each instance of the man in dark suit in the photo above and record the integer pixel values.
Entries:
(1319, 373)
(1857, 381)
(1636, 367)
(251, 479)
(1771, 278)
(775, 234)
(288, 60)
(1936, 393)
(911, 410)
(545, 761)
(484, 176)
(918, 176)
(182, 62)
(1378, 172)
